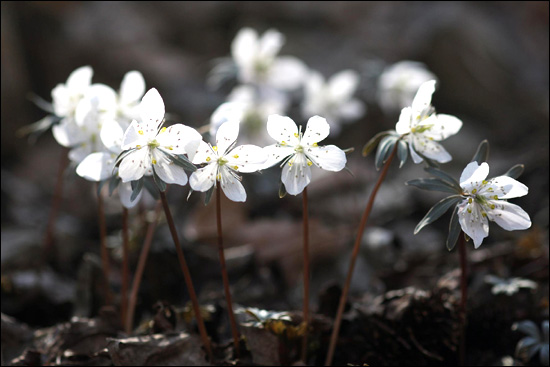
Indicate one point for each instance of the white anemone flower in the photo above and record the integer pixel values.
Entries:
(224, 163)
(398, 83)
(257, 61)
(299, 151)
(485, 200)
(129, 96)
(153, 147)
(424, 128)
(333, 98)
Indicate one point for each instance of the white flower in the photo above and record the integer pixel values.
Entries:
(300, 151)
(399, 82)
(257, 61)
(509, 286)
(485, 201)
(129, 96)
(332, 99)
(424, 128)
(154, 148)
(224, 163)
(251, 106)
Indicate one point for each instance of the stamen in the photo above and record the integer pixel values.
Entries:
(309, 163)
(492, 206)
(215, 148)
(296, 135)
(314, 145)
(474, 191)
(469, 200)
(208, 159)
(235, 167)
(140, 132)
(236, 156)
(283, 143)
(163, 129)
(154, 161)
(495, 197)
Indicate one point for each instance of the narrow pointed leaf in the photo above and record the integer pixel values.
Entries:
(100, 185)
(444, 176)
(454, 230)
(113, 183)
(527, 327)
(515, 171)
(384, 149)
(482, 153)
(282, 190)
(373, 142)
(151, 188)
(437, 211)
(161, 185)
(180, 160)
(137, 185)
(433, 184)
(121, 156)
(41, 103)
(37, 127)
(402, 152)
(208, 195)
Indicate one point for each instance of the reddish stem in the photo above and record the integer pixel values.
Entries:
(140, 269)
(125, 266)
(103, 248)
(306, 274)
(463, 296)
(344, 296)
(186, 276)
(56, 202)
(234, 329)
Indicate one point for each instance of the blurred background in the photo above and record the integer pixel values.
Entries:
(491, 61)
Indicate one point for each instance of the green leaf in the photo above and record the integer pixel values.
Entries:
(161, 185)
(402, 152)
(208, 195)
(282, 190)
(180, 160)
(482, 153)
(113, 183)
(384, 149)
(437, 211)
(100, 185)
(515, 171)
(444, 176)
(373, 142)
(137, 185)
(433, 184)
(151, 188)
(454, 230)
(121, 156)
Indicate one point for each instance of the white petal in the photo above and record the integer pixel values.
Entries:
(81, 151)
(473, 224)
(134, 165)
(430, 149)
(403, 125)
(178, 138)
(79, 80)
(167, 170)
(415, 157)
(204, 178)
(227, 134)
(132, 87)
(111, 135)
(231, 186)
(204, 154)
(317, 130)
(328, 157)
(474, 174)
(276, 153)
(247, 158)
(423, 97)
(67, 133)
(509, 216)
(228, 111)
(151, 110)
(314, 85)
(62, 101)
(505, 188)
(443, 126)
(283, 129)
(134, 135)
(287, 73)
(245, 46)
(270, 44)
(125, 193)
(343, 84)
(352, 110)
(97, 166)
(98, 102)
(296, 174)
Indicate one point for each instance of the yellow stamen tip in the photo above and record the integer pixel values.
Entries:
(474, 191)
(315, 144)
(469, 210)
(235, 167)
(138, 146)
(215, 148)
(492, 206)
(208, 159)
(163, 129)
(484, 182)
(154, 161)
(283, 143)
(236, 156)
(170, 148)
(140, 132)
(484, 214)
(495, 197)
(290, 164)
(309, 163)
(219, 177)
(296, 135)
(469, 200)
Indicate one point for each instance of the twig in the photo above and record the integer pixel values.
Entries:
(125, 266)
(103, 248)
(463, 297)
(306, 273)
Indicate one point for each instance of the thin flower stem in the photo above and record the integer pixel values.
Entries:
(306, 274)
(139, 270)
(125, 266)
(463, 297)
(344, 296)
(56, 201)
(186, 276)
(234, 329)
(103, 249)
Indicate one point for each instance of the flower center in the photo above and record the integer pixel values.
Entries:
(153, 144)
(299, 149)
(222, 161)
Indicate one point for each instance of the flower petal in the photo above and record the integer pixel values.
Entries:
(151, 111)
(430, 149)
(245, 46)
(276, 153)
(134, 135)
(97, 166)
(81, 151)
(317, 130)
(474, 174)
(179, 138)
(505, 188)
(203, 154)
(228, 111)
(111, 135)
(296, 174)
(415, 157)
(342, 85)
(79, 80)
(352, 109)
(423, 97)
(287, 73)
(167, 170)
(283, 129)
(132, 87)
(204, 178)
(125, 194)
(403, 125)
(134, 165)
(247, 158)
(225, 137)
(67, 133)
(472, 222)
(328, 157)
(443, 126)
(231, 185)
(270, 44)
(509, 216)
